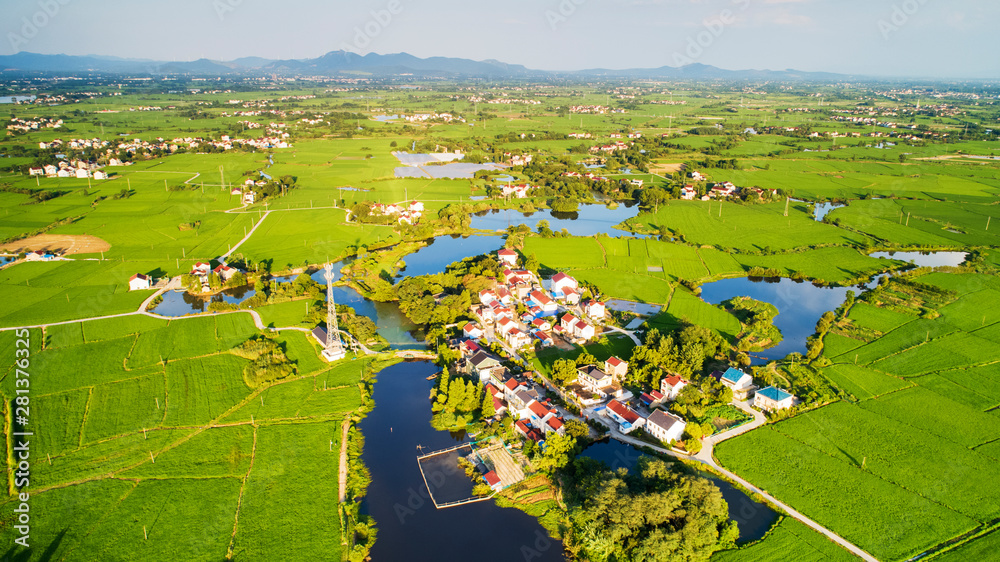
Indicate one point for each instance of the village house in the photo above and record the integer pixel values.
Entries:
(563, 285)
(665, 426)
(541, 324)
(688, 193)
(771, 399)
(671, 386)
(543, 302)
(481, 364)
(138, 282)
(225, 272)
(507, 256)
(626, 418)
(593, 379)
(652, 399)
(594, 309)
(616, 367)
(472, 331)
(740, 382)
(525, 429)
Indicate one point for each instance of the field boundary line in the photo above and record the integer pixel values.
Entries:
(86, 411)
(239, 500)
(342, 469)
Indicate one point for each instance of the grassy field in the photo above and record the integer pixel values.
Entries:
(788, 540)
(918, 441)
(140, 464)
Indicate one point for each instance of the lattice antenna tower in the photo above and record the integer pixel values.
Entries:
(333, 344)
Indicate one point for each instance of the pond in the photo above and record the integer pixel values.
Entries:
(16, 99)
(589, 220)
(409, 526)
(753, 519)
(821, 210)
(455, 170)
(181, 303)
(4, 260)
(800, 305)
(926, 259)
(445, 250)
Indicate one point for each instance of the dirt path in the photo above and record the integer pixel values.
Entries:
(342, 475)
(239, 501)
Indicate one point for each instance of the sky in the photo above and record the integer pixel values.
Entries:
(881, 38)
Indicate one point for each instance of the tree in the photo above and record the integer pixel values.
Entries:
(488, 410)
(558, 452)
(576, 429)
(564, 371)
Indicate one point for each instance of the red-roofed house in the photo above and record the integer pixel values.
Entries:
(626, 418)
(561, 282)
(507, 256)
(583, 330)
(594, 309)
(671, 386)
(616, 367)
(472, 331)
(493, 481)
(541, 324)
(138, 282)
(526, 430)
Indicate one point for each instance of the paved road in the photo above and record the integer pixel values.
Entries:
(223, 257)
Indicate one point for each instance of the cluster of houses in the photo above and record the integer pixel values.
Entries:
(496, 309)
(408, 213)
(512, 394)
(519, 191)
(202, 270)
(517, 159)
(595, 109)
(74, 169)
(589, 175)
(724, 190)
(432, 116)
(25, 125)
(610, 148)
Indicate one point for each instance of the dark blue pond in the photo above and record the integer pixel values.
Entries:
(177, 303)
(754, 519)
(800, 306)
(445, 250)
(409, 526)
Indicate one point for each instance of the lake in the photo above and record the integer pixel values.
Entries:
(445, 250)
(800, 306)
(15, 99)
(589, 220)
(753, 519)
(182, 303)
(926, 259)
(409, 526)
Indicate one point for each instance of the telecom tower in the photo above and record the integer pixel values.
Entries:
(334, 347)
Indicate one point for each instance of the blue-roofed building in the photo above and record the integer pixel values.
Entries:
(740, 382)
(772, 399)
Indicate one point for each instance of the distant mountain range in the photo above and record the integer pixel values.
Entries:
(347, 63)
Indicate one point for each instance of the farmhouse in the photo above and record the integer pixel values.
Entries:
(665, 426)
(626, 418)
(771, 399)
(507, 256)
(472, 331)
(671, 386)
(616, 367)
(593, 379)
(740, 382)
(594, 309)
(138, 282)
